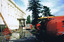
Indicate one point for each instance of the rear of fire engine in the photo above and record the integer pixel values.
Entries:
(51, 27)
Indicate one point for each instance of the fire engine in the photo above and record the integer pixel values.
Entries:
(52, 26)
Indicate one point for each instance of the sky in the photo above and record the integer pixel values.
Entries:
(56, 6)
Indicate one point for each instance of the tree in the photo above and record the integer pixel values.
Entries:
(46, 11)
(35, 7)
(28, 19)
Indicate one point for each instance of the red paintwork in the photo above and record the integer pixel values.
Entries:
(38, 26)
(56, 26)
(31, 26)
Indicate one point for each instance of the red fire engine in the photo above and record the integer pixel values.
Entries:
(52, 26)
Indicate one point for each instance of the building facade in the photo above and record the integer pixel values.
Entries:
(11, 14)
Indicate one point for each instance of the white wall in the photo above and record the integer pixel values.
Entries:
(0, 5)
(10, 14)
(1, 21)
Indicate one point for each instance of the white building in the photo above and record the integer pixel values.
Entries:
(10, 13)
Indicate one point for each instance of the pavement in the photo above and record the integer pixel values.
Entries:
(29, 39)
